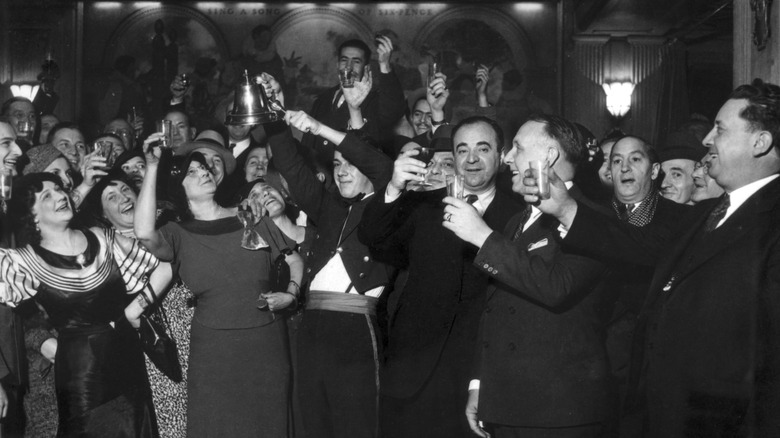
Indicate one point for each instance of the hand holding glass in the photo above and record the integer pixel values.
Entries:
(165, 127)
(426, 156)
(104, 149)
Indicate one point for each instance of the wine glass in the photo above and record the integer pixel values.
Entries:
(426, 156)
(251, 239)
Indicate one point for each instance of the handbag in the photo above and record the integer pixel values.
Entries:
(158, 345)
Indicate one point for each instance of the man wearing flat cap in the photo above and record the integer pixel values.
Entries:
(678, 160)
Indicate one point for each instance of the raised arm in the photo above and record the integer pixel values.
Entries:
(146, 205)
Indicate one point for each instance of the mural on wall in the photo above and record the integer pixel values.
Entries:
(297, 44)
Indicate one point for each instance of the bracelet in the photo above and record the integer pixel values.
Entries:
(297, 286)
(145, 298)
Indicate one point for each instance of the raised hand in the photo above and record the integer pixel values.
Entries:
(384, 51)
(437, 95)
(355, 95)
(303, 122)
(406, 169)
(483, 75)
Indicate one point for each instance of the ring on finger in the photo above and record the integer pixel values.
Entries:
(448, 217)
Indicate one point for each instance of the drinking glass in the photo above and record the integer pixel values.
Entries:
(540, 169)
(454, 186)
(25, 128)
(347, 77)
(104, 149)
(6, 187)
(426, 156)
(433, 67)
(251, 239)
(165, 127)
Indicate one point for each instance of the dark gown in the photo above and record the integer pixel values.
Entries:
(100, 377)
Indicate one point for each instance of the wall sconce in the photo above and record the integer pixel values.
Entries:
(618, 97)
(25, 90)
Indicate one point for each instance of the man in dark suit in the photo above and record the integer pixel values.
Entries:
(338, 340)
(432, 334)
(634, 169)
(541, 368)
(382, 109)
(709, 330)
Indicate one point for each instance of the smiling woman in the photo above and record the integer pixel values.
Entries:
(89, 282)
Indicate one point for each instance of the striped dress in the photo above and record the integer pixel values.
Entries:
(100, 378)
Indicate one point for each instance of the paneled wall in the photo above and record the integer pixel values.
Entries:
(659, 101)
(749, 62)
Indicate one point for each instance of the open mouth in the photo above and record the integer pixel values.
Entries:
(64, 206)
(698, 183)
(128, 209)
(269, 202)
(627, 181)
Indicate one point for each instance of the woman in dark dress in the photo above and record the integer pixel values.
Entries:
(87, 281)
(239, 368)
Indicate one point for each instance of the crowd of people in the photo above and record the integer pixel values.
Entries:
(373, 269)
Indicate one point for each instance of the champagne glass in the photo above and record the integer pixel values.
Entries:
(426, 156)
(251, 239)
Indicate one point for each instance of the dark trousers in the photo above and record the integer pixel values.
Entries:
(595, 430)
(338, 374)
(438, 409)
(12, 425)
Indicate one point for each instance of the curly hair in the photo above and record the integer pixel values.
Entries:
(21, 205)
(91, 211)
(763, 108)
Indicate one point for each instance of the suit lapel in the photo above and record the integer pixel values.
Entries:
(715, 242)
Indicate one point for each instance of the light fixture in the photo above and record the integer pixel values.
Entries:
(25, 90)
(618, 97)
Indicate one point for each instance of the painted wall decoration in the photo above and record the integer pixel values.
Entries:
(215, 42)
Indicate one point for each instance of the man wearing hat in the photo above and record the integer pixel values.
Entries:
(678, 160)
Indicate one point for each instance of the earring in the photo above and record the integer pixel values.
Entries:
(37, 228)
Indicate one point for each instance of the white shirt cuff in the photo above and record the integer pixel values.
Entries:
(389, 198)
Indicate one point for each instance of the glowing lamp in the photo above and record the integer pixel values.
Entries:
(618, 97)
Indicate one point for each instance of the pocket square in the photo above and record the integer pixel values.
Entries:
(537, 245)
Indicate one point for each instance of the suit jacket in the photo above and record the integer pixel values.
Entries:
(541, 359)
(709, 325)
(444, 294)
(335, 219)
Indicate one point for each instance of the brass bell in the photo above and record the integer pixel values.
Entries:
(250, 105)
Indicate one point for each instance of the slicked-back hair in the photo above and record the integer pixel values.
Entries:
(59, 127)
(649, 149)
(473, 120)
(357, 44)
(763, 108)
(566, 134)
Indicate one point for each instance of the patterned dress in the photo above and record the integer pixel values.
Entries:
(100, 379)
(170, 398)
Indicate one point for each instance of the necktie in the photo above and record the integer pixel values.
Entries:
(524, 216)
(471, 199)
(232, 146)
(718, 213)
(625, 210)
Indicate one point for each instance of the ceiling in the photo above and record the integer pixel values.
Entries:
(688, 20)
